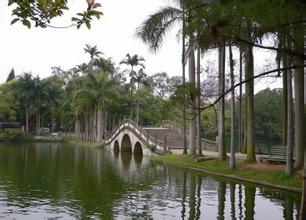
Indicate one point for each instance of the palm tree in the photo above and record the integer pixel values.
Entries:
(98, 89)
(82, 68)
(104, 65)
(93, 52)
(132, 61)
(26, 87)
(152, 31)
(139, 78)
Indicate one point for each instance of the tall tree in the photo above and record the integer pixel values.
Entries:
(93, 53)
(27, 95)
(152, 31)
(132, 61)
(192, 98)
(289, 162)
(199, 137)
(249, 87)
(221, 117)
(232, 157)
(139, 78)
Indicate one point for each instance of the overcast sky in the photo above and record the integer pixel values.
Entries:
(37, 50)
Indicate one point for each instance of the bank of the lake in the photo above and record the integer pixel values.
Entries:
(243, 172)
(72, 140)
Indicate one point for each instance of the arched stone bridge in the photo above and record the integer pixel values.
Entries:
(166, 136)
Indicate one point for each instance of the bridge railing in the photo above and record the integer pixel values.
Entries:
(136, 129)
(207, 144)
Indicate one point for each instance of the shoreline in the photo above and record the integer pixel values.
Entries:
(195, 167)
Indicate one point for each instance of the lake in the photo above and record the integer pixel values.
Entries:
(65, 181)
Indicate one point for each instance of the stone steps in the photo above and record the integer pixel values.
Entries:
(173, 138)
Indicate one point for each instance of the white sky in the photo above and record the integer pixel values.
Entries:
(37, 50)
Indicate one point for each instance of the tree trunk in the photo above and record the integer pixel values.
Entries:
(99, 123)
(131, 96)
(86, 126)
(249, 72)
(27, 118)
(52, 120)
(285, 104)
(240, 102)
(184, 83)
(221, 70)
(289, 163)
(105, 124)
(37, 123)
(199, 137)
(192, 105)
(303, 201)
(299, 116)
(232, 157)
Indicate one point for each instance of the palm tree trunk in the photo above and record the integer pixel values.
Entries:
(232, 157)
(289, 163)
(95, 124)
(131, 94)
(37, 122)
(86, 126)
(299, 116)
(192, 121)
(285, 108)
(184, 83)
(27, 118)
(240, 102)
(137, 105)
(199, 137)
(104, 123)
(221, 141)
(100, 123)
(303, 201)
(249, 71)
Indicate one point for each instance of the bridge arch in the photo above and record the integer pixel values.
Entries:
(116, 146)
(126, 145)
(138, 148)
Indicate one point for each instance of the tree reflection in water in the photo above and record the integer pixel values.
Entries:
(64, 181)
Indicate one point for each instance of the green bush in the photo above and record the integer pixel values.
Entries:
(13, 134)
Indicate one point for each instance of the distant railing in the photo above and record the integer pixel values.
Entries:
(207, 144)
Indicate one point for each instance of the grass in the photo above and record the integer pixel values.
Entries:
(269, 177)
(82, 143)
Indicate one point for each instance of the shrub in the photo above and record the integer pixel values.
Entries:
(13, 134)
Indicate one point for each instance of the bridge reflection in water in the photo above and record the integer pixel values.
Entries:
(65, 181)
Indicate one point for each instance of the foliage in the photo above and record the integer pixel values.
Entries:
(41, 12)
(268, 118)
(13, 135)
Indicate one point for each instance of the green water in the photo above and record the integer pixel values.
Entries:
(62, 181)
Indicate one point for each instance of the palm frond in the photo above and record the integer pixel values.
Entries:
(153, 30)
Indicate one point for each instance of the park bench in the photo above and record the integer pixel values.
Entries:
(277, 154)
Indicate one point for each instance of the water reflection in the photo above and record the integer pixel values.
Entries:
(72, 182)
